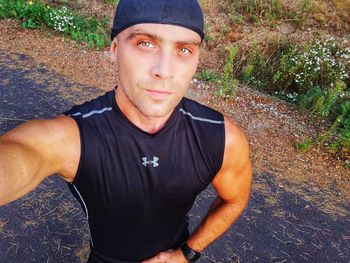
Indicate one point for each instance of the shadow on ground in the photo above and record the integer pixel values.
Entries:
(48, 224)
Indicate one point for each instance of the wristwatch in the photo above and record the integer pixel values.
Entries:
(190, 254)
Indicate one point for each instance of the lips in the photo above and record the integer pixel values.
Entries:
(159, 94)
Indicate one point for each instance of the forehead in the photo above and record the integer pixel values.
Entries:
(163, 32)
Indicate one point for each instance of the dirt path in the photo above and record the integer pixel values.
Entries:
(298, 211)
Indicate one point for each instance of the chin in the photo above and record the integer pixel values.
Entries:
(157, 113)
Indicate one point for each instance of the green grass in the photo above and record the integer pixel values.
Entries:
(315, 77)
(35, 14)
(207, 75)
(304, 146)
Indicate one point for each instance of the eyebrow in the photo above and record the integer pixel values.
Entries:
(159, 39)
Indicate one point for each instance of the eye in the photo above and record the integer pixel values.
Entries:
(185, 50)
(146, 44)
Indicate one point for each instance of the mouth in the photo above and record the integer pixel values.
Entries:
(158, 94)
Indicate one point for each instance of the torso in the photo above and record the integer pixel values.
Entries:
(138, 187)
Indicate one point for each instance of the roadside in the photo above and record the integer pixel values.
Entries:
(272, 125)
(48, 224)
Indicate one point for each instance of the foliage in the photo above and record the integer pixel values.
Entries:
(339, 133)
(61, 20)
(207, 75)
(228, 84)
(314, 76)
(320, 101)
(260, 8)
(304, 146)
(271, 10)
(255, 72)
(30, 14)
(35, 14)
(321, 64)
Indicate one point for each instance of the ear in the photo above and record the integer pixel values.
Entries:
(114, 46)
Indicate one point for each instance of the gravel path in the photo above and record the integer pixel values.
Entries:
(48, 225)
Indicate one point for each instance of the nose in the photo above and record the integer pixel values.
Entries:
(163, 66)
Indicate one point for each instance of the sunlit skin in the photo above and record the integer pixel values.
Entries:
(155, 70)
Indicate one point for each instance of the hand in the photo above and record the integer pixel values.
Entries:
(169, 256)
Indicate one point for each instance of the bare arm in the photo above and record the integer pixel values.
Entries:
(33, 151)
(232, 183)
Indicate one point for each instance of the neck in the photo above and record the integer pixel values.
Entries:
(148, 124)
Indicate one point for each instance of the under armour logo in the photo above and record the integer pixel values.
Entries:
(154, 162)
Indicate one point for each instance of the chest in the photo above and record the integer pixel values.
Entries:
(148, 174)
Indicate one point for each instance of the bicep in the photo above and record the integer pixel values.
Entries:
(52, 144)
(233, 181)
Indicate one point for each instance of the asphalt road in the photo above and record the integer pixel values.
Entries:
(48, 225)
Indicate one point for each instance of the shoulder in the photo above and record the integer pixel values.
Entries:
(56, 141)
(235, 174)
(43, 130)
(236, 153)
(200, 111)
(101, 104)
(235, 139)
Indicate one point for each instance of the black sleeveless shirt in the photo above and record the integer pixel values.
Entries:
(136, 188)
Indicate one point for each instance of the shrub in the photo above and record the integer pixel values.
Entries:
(207, 75)
(228, 84)
(61, 20)
(35, 14)
(315, 76)
(339, 133)
(321, 101)
(256, 72)
(29, 14)
(319, 65)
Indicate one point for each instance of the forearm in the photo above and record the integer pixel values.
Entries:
(218, 220)
(18, 169)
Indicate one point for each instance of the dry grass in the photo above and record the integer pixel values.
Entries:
(273, 127)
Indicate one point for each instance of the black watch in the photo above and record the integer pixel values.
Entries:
(190, 254)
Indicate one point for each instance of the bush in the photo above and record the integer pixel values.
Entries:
(228, 84)
(314, 76)
(207, 75)
(29, 14)
(35, 14)
(257, 70)
(319, 65)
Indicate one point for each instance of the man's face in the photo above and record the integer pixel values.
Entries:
(156, 64)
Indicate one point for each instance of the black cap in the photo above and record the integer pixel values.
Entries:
(185, 13)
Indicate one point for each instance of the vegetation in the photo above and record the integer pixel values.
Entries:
(228, 83)
(315, 77)
(36, 14)
(311, 73)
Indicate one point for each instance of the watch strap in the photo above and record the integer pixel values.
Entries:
(190, 254)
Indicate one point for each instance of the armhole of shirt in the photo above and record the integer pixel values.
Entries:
(217, 155)
(223, 146)
(221, 150)
(82, 152)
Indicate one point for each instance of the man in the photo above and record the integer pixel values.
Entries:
(137, 157)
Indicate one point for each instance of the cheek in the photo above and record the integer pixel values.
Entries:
(187, 69)
(130, 67)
